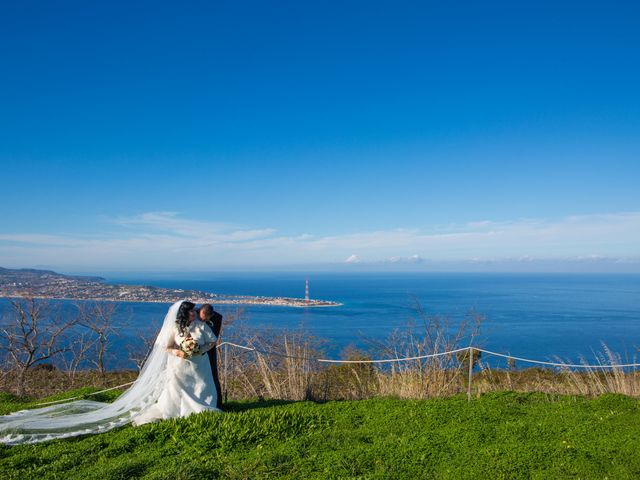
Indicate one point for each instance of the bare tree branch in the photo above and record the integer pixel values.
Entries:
(99, 318)
(32, 336)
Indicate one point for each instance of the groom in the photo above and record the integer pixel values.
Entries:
(214, 320)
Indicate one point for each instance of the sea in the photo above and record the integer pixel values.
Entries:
(571, 317)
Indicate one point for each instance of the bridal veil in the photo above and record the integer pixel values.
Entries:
(86, 416)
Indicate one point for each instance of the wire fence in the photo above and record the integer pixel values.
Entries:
(433, 355)
(225, 346)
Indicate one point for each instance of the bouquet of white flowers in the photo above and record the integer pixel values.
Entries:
(189, 346)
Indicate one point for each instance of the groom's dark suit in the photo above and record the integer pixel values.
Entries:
(216, 324)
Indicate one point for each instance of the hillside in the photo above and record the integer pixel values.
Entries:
(501, 435)
(34, 276)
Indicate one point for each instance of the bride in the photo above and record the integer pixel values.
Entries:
(175, 381)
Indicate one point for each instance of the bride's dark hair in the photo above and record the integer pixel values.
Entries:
(182, 318)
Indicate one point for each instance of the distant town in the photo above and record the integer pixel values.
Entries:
(48, 284)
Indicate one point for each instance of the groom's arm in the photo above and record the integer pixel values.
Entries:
(216, 323)
(206, 347)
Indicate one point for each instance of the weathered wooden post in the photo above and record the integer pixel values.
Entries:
(470, 373)
(225, 363)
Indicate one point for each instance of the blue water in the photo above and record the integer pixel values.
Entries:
(532, 315)
(540, 316)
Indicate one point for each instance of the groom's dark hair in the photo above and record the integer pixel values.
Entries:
(212, 317)
(207, 309)
(182, 318)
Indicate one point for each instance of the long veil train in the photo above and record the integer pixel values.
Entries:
(86, 416)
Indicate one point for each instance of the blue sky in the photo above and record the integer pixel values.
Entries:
(380, 135)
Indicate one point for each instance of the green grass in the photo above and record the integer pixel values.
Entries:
(500, 435)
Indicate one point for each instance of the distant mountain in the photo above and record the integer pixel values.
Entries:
(31, 274)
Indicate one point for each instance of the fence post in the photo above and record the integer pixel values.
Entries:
(225, 360)
(470, 373)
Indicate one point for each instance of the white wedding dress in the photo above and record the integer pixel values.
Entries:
(167, 387)
(189, 387)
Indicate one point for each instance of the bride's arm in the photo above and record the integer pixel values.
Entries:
(175, 351)
(211, 339)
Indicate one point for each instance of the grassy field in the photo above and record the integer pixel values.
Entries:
(499, 435)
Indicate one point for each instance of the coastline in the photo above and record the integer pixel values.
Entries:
(260, 301)
(43, 284)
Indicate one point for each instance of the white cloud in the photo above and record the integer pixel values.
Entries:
(353, 259)
(410, 259)
(168, 240)
(205, 231)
